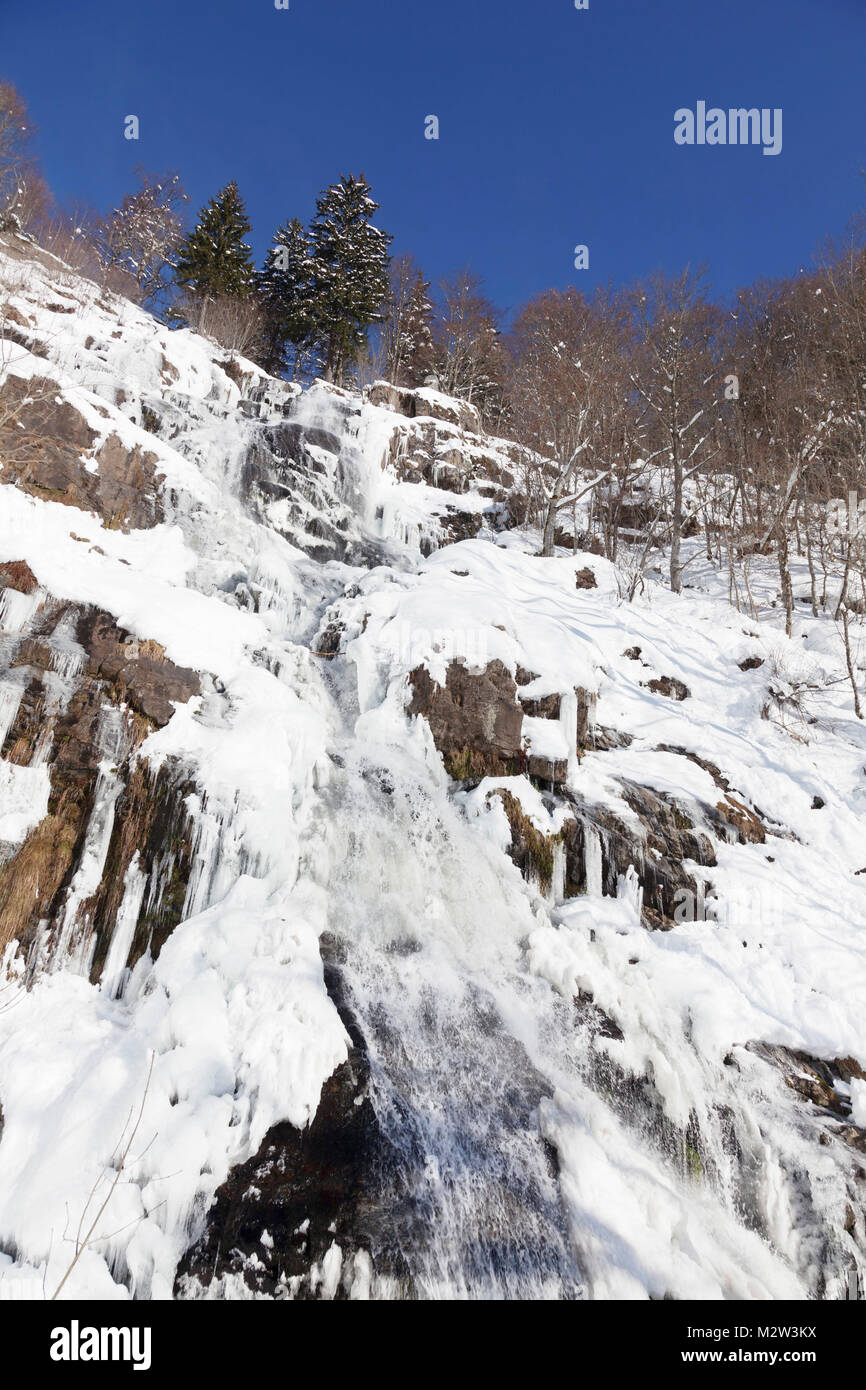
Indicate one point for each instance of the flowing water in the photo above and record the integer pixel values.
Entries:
(431, 967)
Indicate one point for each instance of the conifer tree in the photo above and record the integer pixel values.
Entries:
(285, 289)
(350, 272)
(407, 333)
(214, 259)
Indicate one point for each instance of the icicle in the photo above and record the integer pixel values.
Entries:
(114, 973)
(10, 700)
(593, 862)
(16, 609)
(74, 948)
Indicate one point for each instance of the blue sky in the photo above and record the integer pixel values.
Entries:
(556, 124)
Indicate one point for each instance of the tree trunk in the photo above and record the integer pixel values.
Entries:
(785, 578)
(677, 566)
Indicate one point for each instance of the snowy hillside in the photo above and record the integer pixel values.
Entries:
(385, 910)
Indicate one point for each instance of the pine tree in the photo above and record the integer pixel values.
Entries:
(420, 349)
(214, 260)
(350, 272)
(407, 334)
(285, 288)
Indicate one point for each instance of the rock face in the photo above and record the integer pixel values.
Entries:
(669, 686)
(668, 838)
(139, 673)
(477, 722)
(474, 718)
(85, 694)
(440, 442)
(18, 576)
(418, 401)
(745, 822)
(817, 1082)
(44, 442)
(304, 1194)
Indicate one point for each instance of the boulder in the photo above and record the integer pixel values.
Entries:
(475, 719)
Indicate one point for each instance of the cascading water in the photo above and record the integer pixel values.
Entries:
(450, 1022)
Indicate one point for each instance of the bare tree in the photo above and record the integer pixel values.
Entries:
(17, 163)
(469, 354)
(563, 354)
(673, 368)
(141, 237)
(86, 1235)
(240, 325)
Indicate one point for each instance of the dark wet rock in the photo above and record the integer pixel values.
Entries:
(458, 525)
(409, 402)
(151, 820)
(276, 1217)
(667, 838)
(327, 643)
(592, 1016)
(721, 782)
(292, 481)
(544, 707)
(604, 739)
(548, 772)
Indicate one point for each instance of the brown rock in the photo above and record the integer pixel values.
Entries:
(749, 827)
(671, 687)
(17, 574)
(139, 672)
(42, 441)
(139, 681)
(475, 719)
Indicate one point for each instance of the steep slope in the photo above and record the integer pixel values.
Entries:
(388, 911)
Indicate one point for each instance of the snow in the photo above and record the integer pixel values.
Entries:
(296, 837)
(24, 793)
